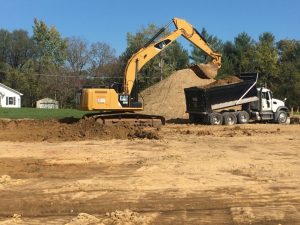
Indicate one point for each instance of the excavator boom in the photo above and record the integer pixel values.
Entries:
(150, 50)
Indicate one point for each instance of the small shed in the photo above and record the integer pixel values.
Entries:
(9, 98)
(47, 103)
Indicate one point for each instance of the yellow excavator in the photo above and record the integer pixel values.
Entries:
(119, 103)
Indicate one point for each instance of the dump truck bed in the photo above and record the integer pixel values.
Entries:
(205, 100)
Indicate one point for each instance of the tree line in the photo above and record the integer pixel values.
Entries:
(45, 64)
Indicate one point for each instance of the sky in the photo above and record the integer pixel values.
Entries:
(109, 20)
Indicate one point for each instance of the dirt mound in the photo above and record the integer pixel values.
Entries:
(166, 98)
(53, 130)
(85, 219)
(226, 80)
(117, 217)
(127, 216)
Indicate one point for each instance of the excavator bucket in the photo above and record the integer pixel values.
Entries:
(205, 71)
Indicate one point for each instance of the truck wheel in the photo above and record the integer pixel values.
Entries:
(215, 119)
(282, 117)
(229, 119)
(192, 118)
(243, 117)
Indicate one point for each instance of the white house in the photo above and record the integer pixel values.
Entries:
(47, 103)
(9, 98)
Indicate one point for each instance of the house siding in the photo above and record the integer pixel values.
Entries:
(8, 97)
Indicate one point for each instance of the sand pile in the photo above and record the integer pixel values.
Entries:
(166, 98)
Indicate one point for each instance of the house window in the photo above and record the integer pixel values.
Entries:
(10, 100)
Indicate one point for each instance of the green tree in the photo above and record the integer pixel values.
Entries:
(51, 48)
(51, 52)
(21, 48)
(288, 79)
(266, 58)
(4, 42)
(229, 60)
(244, 53)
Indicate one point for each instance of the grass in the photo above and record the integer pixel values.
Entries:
(33, 113)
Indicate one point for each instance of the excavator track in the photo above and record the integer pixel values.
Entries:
(129, 118)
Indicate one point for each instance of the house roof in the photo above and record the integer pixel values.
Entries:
(47, 100)
(8, 88)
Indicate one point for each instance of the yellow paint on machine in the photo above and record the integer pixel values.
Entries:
(102, 99)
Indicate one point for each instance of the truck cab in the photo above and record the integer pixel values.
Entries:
(268, 108)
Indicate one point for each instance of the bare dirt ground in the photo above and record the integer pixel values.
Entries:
(187, 174)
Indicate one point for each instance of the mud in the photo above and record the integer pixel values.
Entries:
(54, 130)
(193, 174)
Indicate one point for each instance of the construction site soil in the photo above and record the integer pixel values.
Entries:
(55, 172)
(69, 129)
(79, 172)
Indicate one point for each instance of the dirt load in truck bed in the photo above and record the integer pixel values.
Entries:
(227, 80)
(166, 98)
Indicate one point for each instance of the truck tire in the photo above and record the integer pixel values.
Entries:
(193, 118)
(282, 117)
(243, 117)
(215, 119)
(229, 119)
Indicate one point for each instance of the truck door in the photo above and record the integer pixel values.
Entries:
(266, 103)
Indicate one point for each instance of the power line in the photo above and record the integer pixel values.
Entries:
(72, 76)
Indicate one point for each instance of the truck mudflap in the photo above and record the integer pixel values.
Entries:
(133, 119)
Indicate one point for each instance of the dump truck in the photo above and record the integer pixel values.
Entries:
(234, 103)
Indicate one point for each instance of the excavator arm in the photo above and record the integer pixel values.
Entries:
(150, 50)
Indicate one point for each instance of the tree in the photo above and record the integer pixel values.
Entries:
(266, 58)
(244, 53)
(78, 55)
(229, 60)
(101, 54)
(20, 48)
(288, 79)
(51, 48)
(105, 67)
(4, 42)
